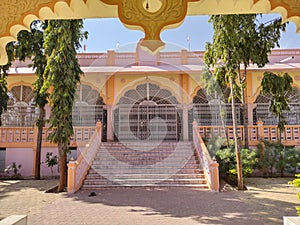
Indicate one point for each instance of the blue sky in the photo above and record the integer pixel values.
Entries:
(107, 34)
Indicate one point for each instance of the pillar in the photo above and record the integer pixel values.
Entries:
(214, 173)
(71, 176)
(260, 129)
(185, 122)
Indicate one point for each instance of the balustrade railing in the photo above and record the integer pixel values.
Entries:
(256, 133)
(78, 169)
(21, 135)
(210, 166)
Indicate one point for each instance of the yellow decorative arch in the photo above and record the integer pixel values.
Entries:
(19, 84)
(159, 81)
(18, 15)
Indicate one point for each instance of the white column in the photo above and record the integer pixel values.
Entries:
(110, 126)
(185, 122)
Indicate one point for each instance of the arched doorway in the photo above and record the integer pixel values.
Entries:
(148, 113)
(89, 108)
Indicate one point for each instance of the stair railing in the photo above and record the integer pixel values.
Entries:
(210, 167)
(77, 170)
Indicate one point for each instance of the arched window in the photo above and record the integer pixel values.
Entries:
(88, 107)
(261, 111)
(209, 110)
(21, 110)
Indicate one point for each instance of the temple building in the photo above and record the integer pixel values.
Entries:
(143, 97)
(140, 116)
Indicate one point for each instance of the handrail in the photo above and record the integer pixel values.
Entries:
(77, 170)
(210, 166)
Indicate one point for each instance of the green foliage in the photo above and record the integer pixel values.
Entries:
(214, 144)
(3, 76)
(15, 169)
(227, 162)
(239, 40)
(274, 157)
(30, 45)
(296, 183)
(51, 160)
(232, 174)
(279, 88)
(62, 73)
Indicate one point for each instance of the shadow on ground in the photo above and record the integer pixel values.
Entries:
(258, 206)
(203, 207)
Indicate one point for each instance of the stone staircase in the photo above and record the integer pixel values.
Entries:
(145, 164)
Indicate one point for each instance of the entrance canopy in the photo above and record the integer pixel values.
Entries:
(150, 16)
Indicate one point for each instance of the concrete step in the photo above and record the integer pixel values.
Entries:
(98, 187)
(145, 164)
(147, 176)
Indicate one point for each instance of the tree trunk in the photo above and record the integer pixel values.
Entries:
(236, 142)
(244, 106)
(62, 167)
(41, 123)
(223, 123)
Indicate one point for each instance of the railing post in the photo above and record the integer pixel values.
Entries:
(195, 124)
(72, 165)
(260, 129)
(99, 128)
(214, 173)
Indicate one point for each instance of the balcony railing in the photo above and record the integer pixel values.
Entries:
(26, 136)
(256, 133)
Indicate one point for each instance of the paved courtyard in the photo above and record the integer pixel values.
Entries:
(266, 202)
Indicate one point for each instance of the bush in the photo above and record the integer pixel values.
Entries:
(227, 163)
(296, 183)
(232, 175)
(51, 161)
(276, 158)
(15, 169)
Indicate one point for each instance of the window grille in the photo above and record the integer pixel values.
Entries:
(21, 111)
(209, 110)
(88, 107)
(262, 112)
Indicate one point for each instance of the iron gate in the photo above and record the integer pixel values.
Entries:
(147, 122)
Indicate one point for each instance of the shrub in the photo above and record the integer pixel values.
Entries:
(277, 158)
(15, 169)
(227, 163)
(296, 183)
(51, 161)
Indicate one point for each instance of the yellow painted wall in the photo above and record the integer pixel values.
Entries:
(125, 82)
(255, 78)
(15, 80)
(183, 86)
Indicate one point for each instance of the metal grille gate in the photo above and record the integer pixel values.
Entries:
(148, 122)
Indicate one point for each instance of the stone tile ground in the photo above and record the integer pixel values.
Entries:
(266, 202)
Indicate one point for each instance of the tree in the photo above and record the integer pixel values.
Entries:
(3, 75)
(279, 87)
(62, 73)
(214, 88)
(30, 45)
(238, 40)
